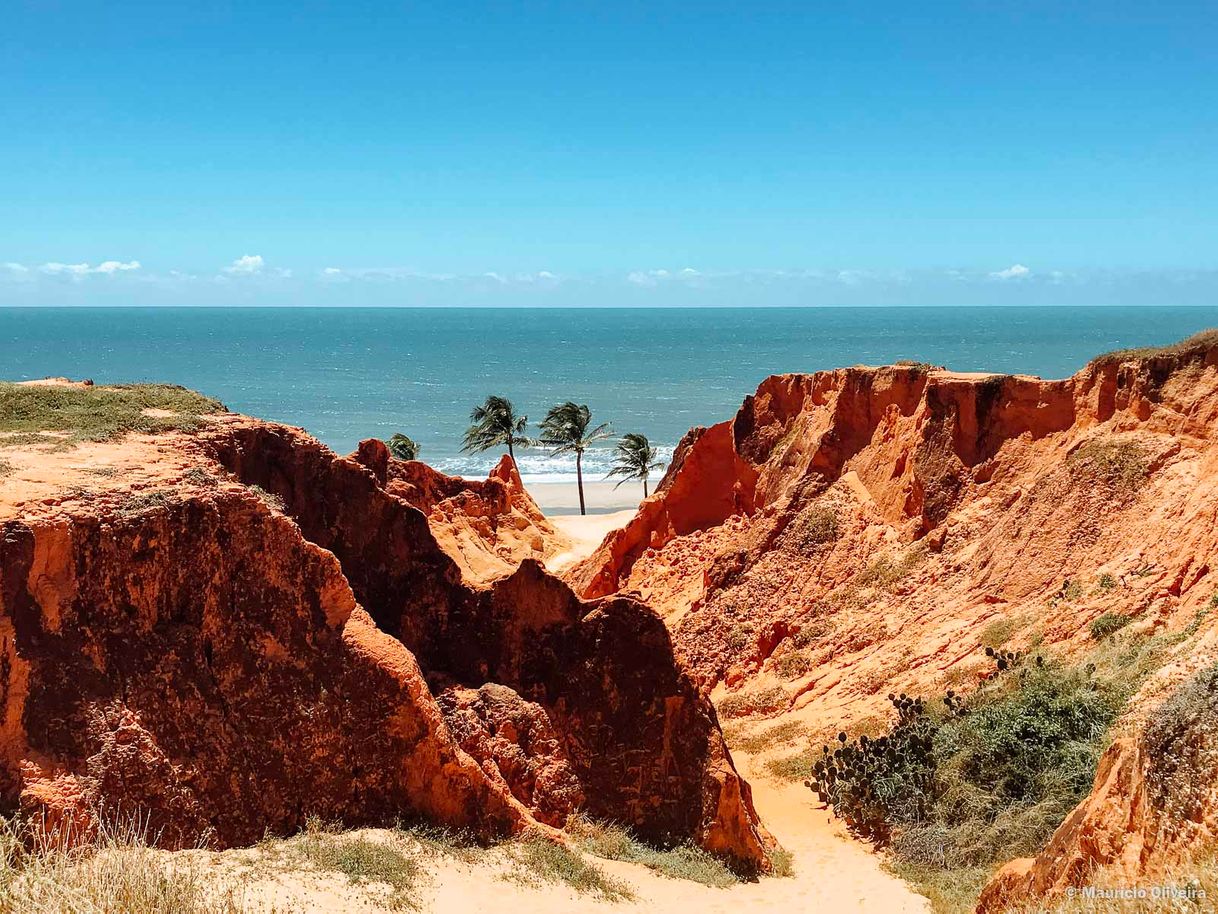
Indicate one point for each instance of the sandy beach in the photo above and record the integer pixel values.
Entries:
(556, 498)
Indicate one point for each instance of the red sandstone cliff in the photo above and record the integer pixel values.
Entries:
(487, 526)
(233, 629)
(855, 532)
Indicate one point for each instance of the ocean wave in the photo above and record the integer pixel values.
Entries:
(538, 465)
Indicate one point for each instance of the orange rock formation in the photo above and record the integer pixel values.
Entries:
(855, 532)
(232, 629)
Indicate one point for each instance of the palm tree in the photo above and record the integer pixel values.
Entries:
(403, 447)
(565, 428)
(635, 459)
(495, 423)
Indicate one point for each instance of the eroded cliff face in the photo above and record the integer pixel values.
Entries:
(234, 629)
(857, 532)
(487, 526)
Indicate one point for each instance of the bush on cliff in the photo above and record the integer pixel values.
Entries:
(1181, 745)
(958, 786)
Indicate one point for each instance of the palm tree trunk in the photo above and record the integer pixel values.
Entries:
(510, 454)
(644, 486)
(579, 479)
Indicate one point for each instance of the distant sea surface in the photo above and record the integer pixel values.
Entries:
(352, 373)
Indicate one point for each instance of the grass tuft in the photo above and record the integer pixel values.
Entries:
(361, 860)
(682, 861)
(116, 872)
(1108, 623)
(748, 704)
(538, 858)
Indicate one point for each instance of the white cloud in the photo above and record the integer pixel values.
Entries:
(331, 271)
(246, 265)
(72, 269)
(116, 266)
(16, 267)
(1015, 271)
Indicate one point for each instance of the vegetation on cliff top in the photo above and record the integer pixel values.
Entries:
(91, 413)
(958, 786)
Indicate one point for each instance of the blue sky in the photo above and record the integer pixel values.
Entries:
(598, 154)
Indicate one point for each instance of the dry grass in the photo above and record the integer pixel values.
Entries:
(1195, 344)
(538, 859)
(5, 467)
(363, 861)
(1118, 462)
(749, 704)
(99, 413)
(682, 861)
(776, 737)
(115, 873)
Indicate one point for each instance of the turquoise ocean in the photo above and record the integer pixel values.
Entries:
(352, 373)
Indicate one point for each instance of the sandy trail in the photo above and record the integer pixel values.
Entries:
(585, 534)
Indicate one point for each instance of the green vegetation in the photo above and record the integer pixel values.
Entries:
(634, 458)
(886, 571)
(1108, 623)
(270, 499)
(361, 860)
(747, 704)
(138, 502)
(1122, 464)
(1181, 744)
(1106, 582)
(682, 861)
(200, 477)
(100, 413)
(403, 447)
(771, 738)
(958, 786)
(1197, 343)
(495, 424)
(566, 429)
(539, 859)
(792, 665)
(814, 528)
(999, 632)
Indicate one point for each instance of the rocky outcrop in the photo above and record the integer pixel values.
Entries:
(641, 739)
(487, 526)
(196, 661)
(238, 629)
(857, 532)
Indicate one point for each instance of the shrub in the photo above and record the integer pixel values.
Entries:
(746, 704)
(792, 664)
(815, 527)
(770, 738)
(1108, 623)
(270, 499)
(999, 632)
(1120, 463)
(1181, 745)
(961, 784)
(1107, 582)
(5, 467)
